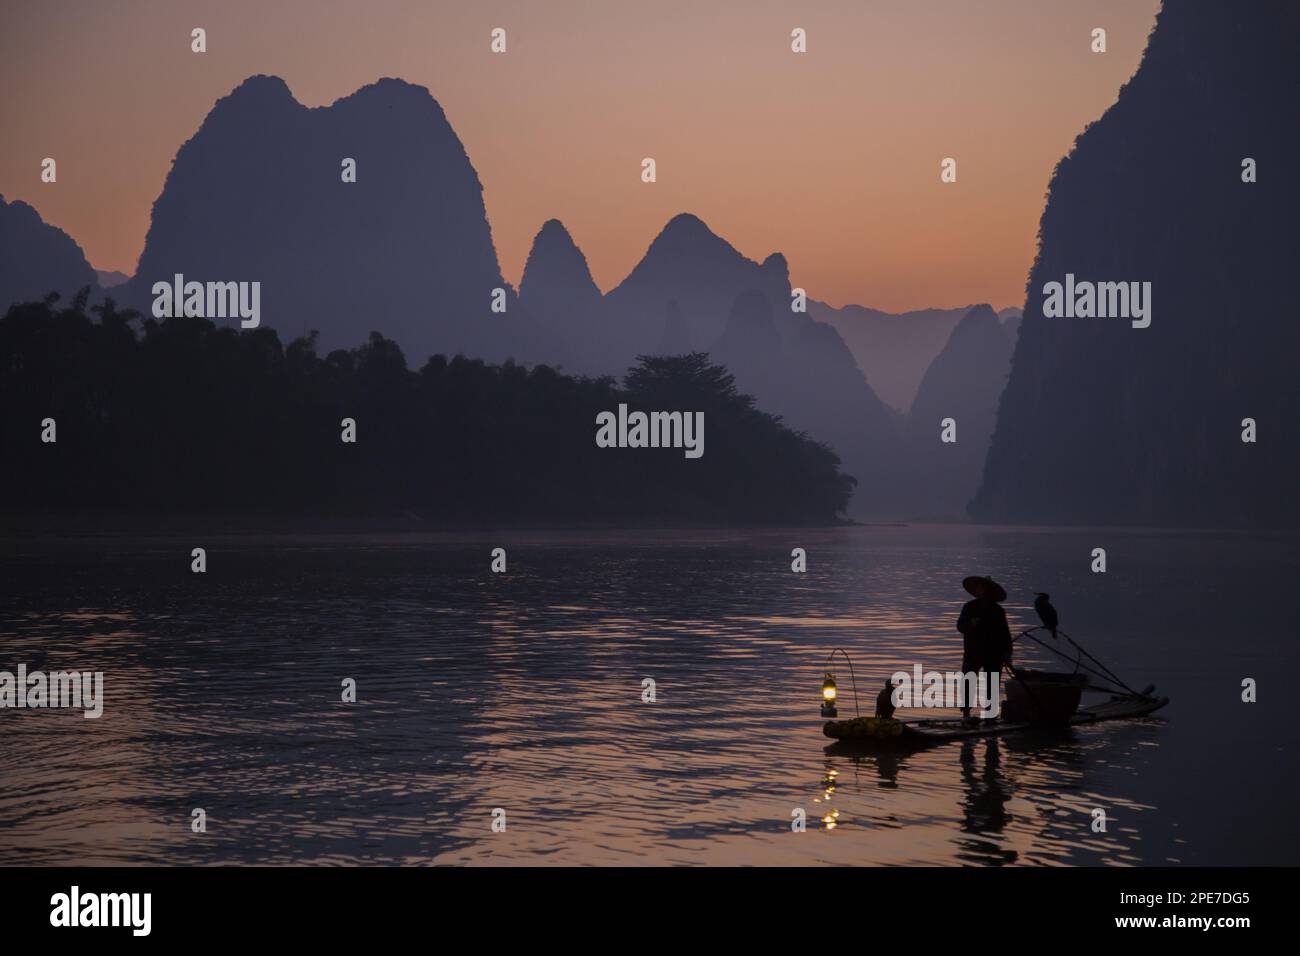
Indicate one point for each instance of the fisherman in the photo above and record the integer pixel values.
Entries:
(986, 638)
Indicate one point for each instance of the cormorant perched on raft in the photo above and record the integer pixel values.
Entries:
(885, 700)
(1046, 613)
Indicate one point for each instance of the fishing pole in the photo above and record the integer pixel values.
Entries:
(1105, 674)
(1109, 673)
(1078, 665)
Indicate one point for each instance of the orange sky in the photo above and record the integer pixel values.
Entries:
(831, 157)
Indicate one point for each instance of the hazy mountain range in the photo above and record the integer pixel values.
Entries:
(894, 349)
(1088, 420)
(961, 386)
(408, 245)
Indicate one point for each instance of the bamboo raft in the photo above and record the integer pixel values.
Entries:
(892, 734)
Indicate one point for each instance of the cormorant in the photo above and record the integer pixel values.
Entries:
(1046, 613)
(885, 701)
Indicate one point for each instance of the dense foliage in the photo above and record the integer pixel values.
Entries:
(181, 416)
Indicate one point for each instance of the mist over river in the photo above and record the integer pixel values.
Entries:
(522, 691)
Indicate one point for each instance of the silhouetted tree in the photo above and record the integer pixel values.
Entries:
(183, 416)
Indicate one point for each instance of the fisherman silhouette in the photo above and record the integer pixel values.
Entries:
(986, 643)
(885, 700)
(1046, 613)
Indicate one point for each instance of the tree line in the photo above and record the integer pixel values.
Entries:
(181, 416)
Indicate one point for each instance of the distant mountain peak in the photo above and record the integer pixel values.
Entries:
(263, 84)
(685, 223)
(390, 85)
(258, 89)
(390, 92)
(982, 312)
(978, 320)
(980, 324)
(263, 93)
(688, 250)
(776, 268)
(554, 231)
(556, 269)
(980, 330)
(37, 258)
(336, 254)
(688, 233)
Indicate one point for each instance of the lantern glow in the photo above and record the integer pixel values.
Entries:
(828, 695)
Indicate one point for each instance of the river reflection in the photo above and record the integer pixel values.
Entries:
(524, 692)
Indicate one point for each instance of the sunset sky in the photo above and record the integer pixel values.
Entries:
(831, 157)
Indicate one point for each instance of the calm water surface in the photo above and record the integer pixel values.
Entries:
(523, 691)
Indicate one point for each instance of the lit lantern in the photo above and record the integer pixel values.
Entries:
(828, 696)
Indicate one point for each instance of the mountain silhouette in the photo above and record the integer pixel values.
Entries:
(689, 264)
(562, 299)
(407, 251)
(677, 335)
(892, 349)
(1011, 319)
(750, 337)
(693, 291)
(964, 383)
(109, 279)
(37, 258)
(693, 286)
(1104, 423)
(258, 195)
